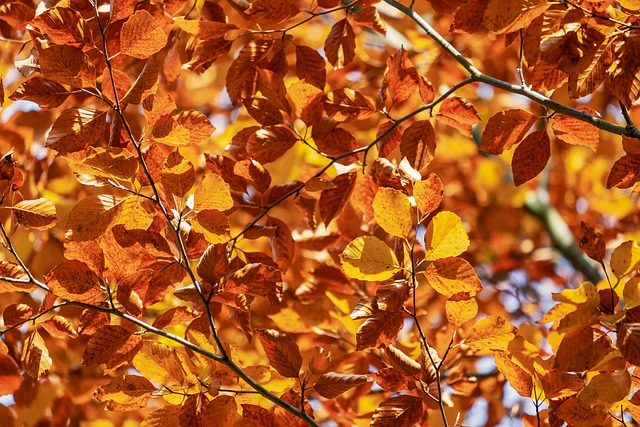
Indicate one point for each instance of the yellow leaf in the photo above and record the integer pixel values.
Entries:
(39, 214)
(213, 193)
(448, 236)
(369, 258)
(392, 211)
(585, 294)
(164, 365)
(604, 390)
(136, 213)
(460, 311)
(126, 393)
(213, 224)
(625, 258)
(631, 293)
(519, 378)
(449, 276)
(491, 333)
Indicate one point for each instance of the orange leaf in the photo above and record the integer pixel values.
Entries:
(577, 132)
(333, 200)
(460, 114)
(418, 144)
(256, 416)
(164, 365)
(63, 26)
(213, 193)
(400, 361)
(368, 16)
(17, 14)
(340, 44)
(59, 327)
(449, 276)
(460, 308)
(282, 352)
(126, 393)
(35, 356)
(531, 156)
(67, 65)
(332, 384)
(92, 216)
(10, 376)
(269, 12)
(625, 172)
(519, 379)
(504, 129)
(505, 17)
(39, 214)
(75, 129)
(401, 77)
(14, 271)
(390, 379)
(221, 412)
(188, 127)
(75, 281)
(242, 77)
(399, 411)
(428, 194)
(141, 36)
(490, 333)
(269, 143)
(380, 328)
(146, 84)
(16, 313)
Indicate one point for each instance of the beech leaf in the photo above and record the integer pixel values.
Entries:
(282, 352)
(332, 384)
(369, 258)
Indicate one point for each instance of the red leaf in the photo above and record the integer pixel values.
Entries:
(340, 45)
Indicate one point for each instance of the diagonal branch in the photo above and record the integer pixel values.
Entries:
(536, 97)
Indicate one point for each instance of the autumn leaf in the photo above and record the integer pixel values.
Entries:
(331, 384)
(282, 352)
(392, 211)
(141, 36)
(490, 333)
(625, 258)
(577, 132)
(76, 129)
(418, 144)
(39, 214)
(340, 44)
(592, 242)
(68, 65)
(428, 194)
(505, 129)
(403, 410)
(531, 156)
(402, 77)
(448, 236)
(369, 258)
(460, 114)
(74, 280)
(450, 276)
(35, 358)
(460, 308)
(45, 93)
(126, 393)
(320, 361)
(92, 217)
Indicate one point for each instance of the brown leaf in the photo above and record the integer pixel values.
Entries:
(188, 127)
(75, 281)
(399, 411)
(75, 129)
(146, 84)
(418, 144)
(591, 242)
(380, 328)
(391, 380)
(332, 201)
(625, 172)
(256, 416)
(368, 16)
(400, 361)
(332, 384)
(242, 77)
(391, 139)
(282, 243)
(340, 44)
(531, 156)
(460, 114)
(17, 14)
(504, 129)
(67, 65)
(178, 175)
(269, 143)
(310, 66)
(320, 361)
(16, 313)
(402, 77)
(10, 376)
(45, 93)
(62, 26)
(141, 36)
(126, 393)
(282, 352)
(269, 12)
(59, 327)
(92, 216)
(12, 270)
(39, 214)
(221, 412)
(345, 105)
(307, 101)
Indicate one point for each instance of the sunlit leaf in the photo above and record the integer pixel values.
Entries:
(392, 211)
(490, 333)
(403, 410)
(282, 352)
(39, 214)
(332, 384)
(448, 236)
(505, 129)
(449, 276)
(141, 36)
(369, 258)
(75, 129)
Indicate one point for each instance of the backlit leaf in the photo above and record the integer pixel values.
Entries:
(282, 352)
(75, 281)
(402, 77)
(380, 328)
(577, 132)
(625, 172)
(35, 358)
(392, 211)
(63, 26)
(39, 214)
(625, 258)
(320, 361)
(591, 242)
(448, 236)
(369, 258)
(165, 365)
(310, 66)
(267, 12)
(340, 44)
(45, 93)
(418, 144)
(460, 114)
(332, 384)
(460, 308)
(505, 129)
(403, 410)
(449, 276)
(75, 129)
(92, 217)
(531, 156)
(141, 36)
(213, 193)
(490, 333)
(67, 65)
(428, 194)
(126, 393)
(512, 15)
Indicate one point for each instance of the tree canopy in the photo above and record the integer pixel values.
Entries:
(319, 212)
